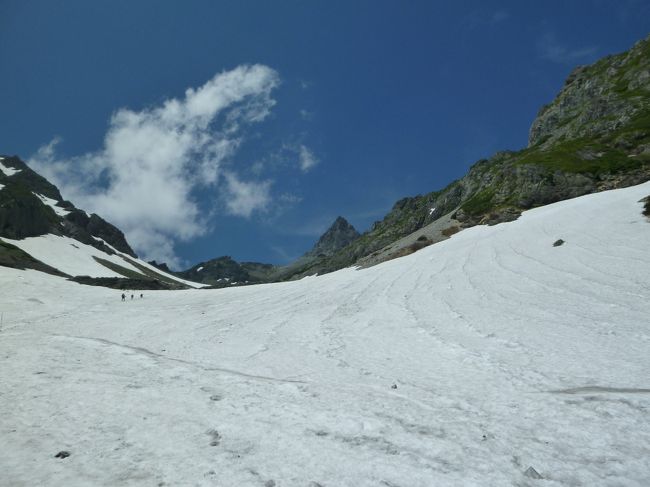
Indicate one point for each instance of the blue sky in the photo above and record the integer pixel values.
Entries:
(300, 111)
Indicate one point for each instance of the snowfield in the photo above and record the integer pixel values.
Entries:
(70, 256)
(78, 259)
(463, 364)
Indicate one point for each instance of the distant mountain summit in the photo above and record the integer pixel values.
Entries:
(340, 234)
(225, 272)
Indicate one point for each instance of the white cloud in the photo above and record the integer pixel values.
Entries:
(243, 198)
(152, 160)
(307, 159)
(552, 50)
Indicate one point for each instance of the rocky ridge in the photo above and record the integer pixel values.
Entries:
(31, 206)
(594, 136)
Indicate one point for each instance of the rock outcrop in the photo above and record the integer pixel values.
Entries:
(31, 206)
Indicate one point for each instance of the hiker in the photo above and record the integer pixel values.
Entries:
(123, 296)
(140, 295)
(131, 296)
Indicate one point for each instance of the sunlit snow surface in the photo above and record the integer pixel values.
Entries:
(507, 353)
(52, 203)
(69, 256)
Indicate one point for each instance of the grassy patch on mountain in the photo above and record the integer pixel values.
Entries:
(480, 203)
(579, 156)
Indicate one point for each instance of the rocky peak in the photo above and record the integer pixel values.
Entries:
(340, 234)
(597, 99)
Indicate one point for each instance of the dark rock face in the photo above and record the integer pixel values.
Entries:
(23, 214)
(162, 266)
(340, 234)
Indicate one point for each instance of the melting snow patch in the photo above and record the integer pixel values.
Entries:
(432, 210)
(52, 204)
(2, 186)
(199, 269)
(8, 171)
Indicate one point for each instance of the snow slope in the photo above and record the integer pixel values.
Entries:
(77, 259)
(506, 353)
(69, 255)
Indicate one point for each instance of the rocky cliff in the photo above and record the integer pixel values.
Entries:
(31, 206)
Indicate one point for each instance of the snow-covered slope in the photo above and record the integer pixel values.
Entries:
(70, 256)
(463, 364)
(77, 259)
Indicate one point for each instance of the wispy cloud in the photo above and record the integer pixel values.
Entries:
(551, 49)
(244, 197)
(144, 177)
(306, 158)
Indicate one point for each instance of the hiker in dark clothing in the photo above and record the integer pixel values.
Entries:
(140, 296)
(123, 296)
(131, 296)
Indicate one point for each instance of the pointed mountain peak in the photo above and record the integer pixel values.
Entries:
(337, 236)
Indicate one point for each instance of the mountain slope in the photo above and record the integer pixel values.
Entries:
(594, 136)
(39, 230)
(31, 206)
(504, 351)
